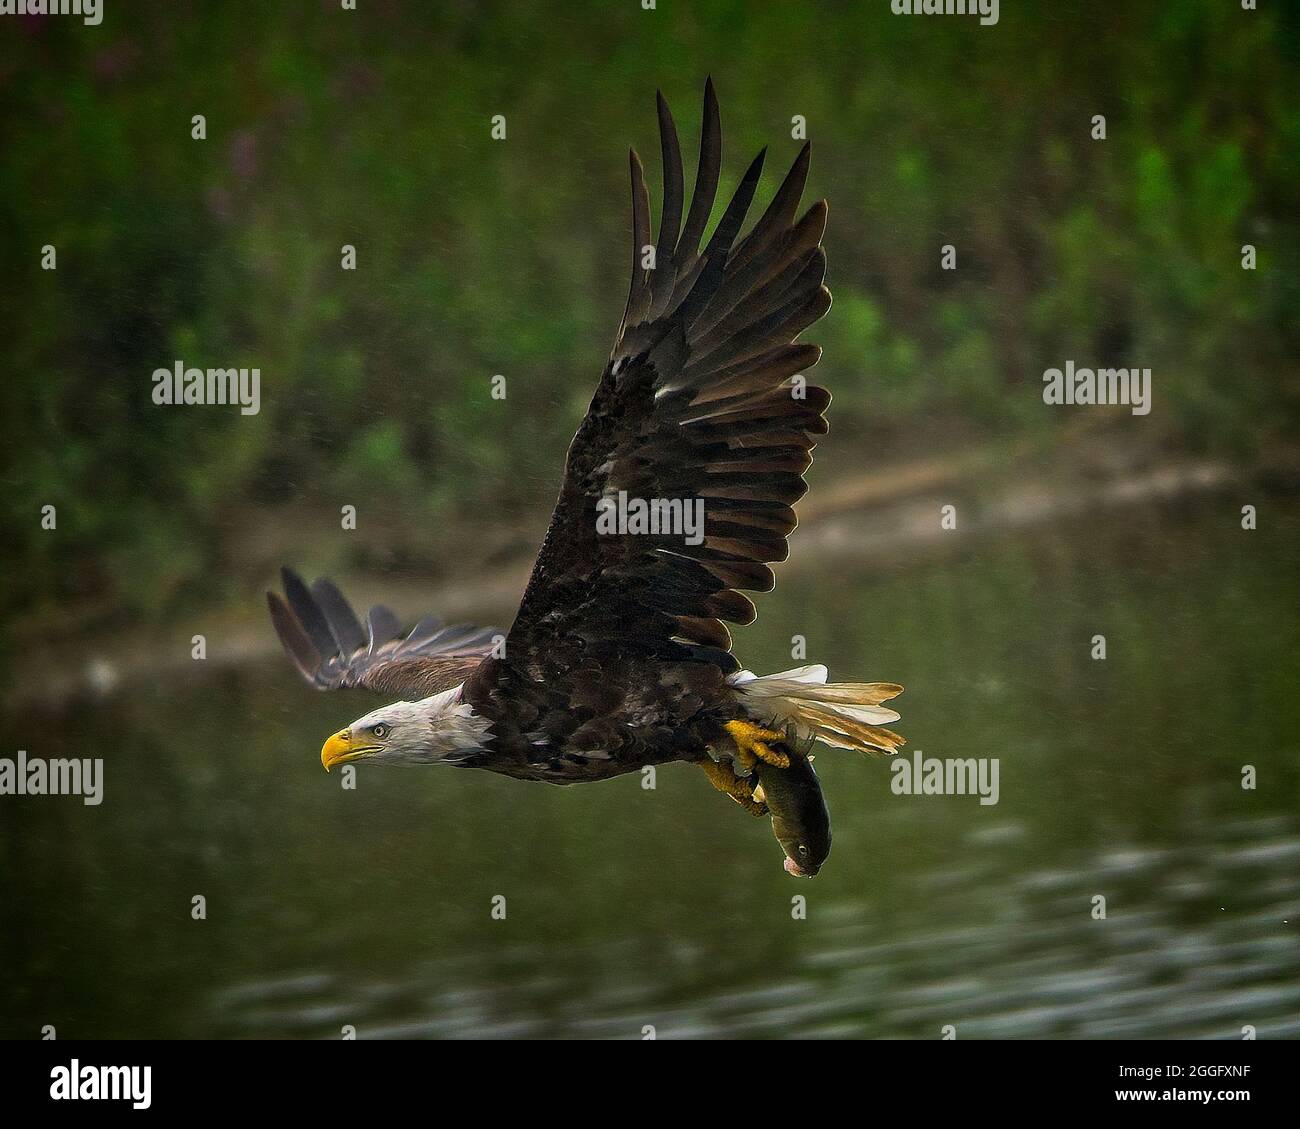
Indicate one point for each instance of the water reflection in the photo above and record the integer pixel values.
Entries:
(994, 951)
(669, 908)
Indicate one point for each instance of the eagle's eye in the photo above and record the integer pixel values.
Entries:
(380, 731)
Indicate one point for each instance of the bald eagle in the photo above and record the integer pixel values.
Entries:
(619, 656)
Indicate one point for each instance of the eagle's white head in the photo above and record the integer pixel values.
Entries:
(438, 730)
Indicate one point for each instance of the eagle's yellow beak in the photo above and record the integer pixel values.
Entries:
(339, 749)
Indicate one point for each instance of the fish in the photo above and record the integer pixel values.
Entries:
(800, 820)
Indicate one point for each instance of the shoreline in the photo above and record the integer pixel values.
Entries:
(877, 517)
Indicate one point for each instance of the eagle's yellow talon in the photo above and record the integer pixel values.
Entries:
(725, 780)
(752, 745)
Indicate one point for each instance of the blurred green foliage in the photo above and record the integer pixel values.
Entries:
(477, 257)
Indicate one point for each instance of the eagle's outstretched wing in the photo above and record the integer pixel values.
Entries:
(703, 398)
(332, 651)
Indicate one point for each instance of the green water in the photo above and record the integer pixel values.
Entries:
(627, 907)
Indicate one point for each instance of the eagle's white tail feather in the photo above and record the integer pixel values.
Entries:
(847, 715)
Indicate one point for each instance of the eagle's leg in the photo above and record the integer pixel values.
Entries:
(753, 744)
(724, 780)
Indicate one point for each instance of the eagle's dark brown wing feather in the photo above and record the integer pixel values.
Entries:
(332, 651)
(699, 400)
